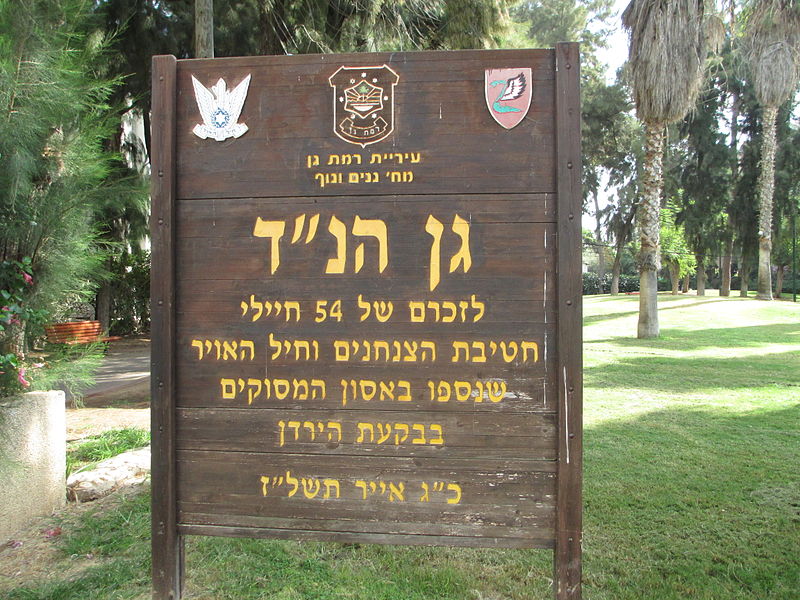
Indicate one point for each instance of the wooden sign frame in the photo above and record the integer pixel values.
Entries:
(174, 165)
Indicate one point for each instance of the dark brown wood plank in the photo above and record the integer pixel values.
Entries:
(567, 563)
(368, 433)
(167, 543)
(289, 112)
(367, 538)
(303, 389)
(504, 496)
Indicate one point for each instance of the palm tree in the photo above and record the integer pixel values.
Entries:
(666, 57)
(772, 43)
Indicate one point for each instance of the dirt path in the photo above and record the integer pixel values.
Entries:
(121, 397)
(126, 407)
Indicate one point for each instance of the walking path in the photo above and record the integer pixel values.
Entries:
(120, 397)
(126, 364)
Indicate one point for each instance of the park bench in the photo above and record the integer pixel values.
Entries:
(76, 332)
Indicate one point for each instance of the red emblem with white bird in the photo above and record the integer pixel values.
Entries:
(508, 95)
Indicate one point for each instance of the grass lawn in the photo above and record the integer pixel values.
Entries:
(692, 486)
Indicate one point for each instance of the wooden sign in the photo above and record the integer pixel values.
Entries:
(367, 302)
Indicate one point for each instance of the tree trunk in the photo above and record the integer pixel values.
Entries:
(615, 269)
(601, 251)
(675, 278)
(765, 187)
(779, 281)
(204, 28)
(744, 278)
(686, 279)
(701, 275)
(103, 310)
(648, 217)
(727, 259)
(725, 266)
(622, 237)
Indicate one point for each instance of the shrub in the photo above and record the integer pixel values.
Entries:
(591, 284)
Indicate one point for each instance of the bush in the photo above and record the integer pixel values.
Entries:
(627, 284)
(591, 284)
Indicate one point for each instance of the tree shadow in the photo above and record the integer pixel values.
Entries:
(673, 374)
(592, 319)
(693, 503)
(717, 337)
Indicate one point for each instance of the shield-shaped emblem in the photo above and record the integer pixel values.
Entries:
(363, 103)
(508, 95)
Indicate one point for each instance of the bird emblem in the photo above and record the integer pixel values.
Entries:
(508, 93)
(220, 109)
(511, 89)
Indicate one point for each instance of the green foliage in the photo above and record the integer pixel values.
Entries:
(130, 293)
(53, 167)
(70, 368)
(593, 284)
(86, 453)
(675, 252)
(16, 278)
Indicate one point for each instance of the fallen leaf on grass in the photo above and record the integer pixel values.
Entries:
(51, 532)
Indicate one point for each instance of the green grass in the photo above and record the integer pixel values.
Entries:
(691, 486)
(86, 453)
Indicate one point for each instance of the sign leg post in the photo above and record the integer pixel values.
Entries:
(168, 553)
(167, 544)
(569, 505)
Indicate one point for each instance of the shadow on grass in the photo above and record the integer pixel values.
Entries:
(720, 337)
(683, 503)
(672, 374)
(592, 319)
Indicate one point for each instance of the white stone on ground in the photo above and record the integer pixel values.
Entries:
(126, 469)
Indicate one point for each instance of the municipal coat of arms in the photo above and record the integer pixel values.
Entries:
(363, 103)
(508, 95)
(220, 109)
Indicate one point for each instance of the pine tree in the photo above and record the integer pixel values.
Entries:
(53, 167)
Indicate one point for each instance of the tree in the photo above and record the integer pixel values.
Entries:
(675, 253)
(666, 59)
(53, 166)
(204, 28)
(700, 179)
(772, 42)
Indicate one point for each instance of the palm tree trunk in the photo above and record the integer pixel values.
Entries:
(648, 217)
(766, 186)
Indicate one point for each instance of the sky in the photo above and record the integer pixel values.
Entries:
(617, 51)
(614, 56)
